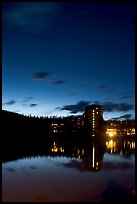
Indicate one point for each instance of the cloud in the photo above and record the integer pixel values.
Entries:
(78, 107)
(28, 99)
(72, 93)
(58, 82)
(57, 108)
(31, 17)
(112, 107)
(101, 86)
(122, 107)
(126, 116)
(127, 95)
(108, 107)
(10, 102)
(41, 75)
(33, 105)
(110, 90)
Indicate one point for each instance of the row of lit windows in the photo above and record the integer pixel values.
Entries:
(94, 111)
(113, 132)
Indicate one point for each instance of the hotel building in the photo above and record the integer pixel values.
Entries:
(94, 119)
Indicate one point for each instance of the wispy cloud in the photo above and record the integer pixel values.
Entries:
(122, 107)
(10, 102)
(108, 107)
(112, 107)
(41, 75)
(33, 104)
(126, 116)
(78, 107)
(58, 82)
(110, 90)
(72, 93)
(126, 95)
(32, 16)
(101, 86)
(27, 99)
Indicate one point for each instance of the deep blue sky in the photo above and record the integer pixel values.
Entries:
(59, 57)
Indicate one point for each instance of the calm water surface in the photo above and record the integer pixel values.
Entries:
(83, 176)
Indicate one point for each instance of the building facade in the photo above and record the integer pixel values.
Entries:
(94, 119)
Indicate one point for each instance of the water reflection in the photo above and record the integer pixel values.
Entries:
(93, 157)
(90, 153)
(122, 147)
(66, 172)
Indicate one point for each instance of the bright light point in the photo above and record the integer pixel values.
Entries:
(111, 132)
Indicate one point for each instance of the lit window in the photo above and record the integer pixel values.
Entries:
(93, 110)
(111, 132)
(97, 112)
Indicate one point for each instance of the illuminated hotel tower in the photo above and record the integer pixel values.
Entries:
(94, 119)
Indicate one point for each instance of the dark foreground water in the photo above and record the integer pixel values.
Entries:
(84, 174)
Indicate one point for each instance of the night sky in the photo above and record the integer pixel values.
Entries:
(59, 57)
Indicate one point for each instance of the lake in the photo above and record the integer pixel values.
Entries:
(65, 173)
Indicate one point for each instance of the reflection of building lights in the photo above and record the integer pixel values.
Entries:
(54, 124)
(61, 149)
(93, 156)
(124, 144)
(111, 144)
(133, 145)
(55, 149)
